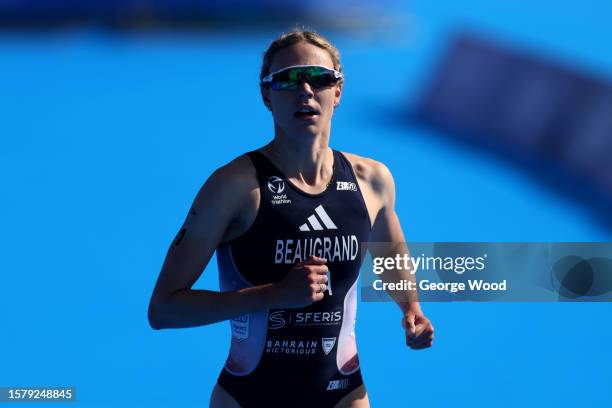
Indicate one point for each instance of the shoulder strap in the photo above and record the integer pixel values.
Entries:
(344, 169)
(264, 167)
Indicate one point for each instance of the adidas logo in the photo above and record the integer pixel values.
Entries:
(314, 223)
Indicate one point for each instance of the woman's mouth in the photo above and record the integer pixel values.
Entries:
(306, 113)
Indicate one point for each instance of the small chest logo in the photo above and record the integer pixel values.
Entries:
(346, 185)
(314, 223)
(277, 186)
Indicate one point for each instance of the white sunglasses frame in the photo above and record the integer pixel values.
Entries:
(268, 78)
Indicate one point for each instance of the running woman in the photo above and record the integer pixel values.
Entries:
(287, 221)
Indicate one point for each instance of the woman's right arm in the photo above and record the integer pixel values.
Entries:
(218, 208)
(173, 303)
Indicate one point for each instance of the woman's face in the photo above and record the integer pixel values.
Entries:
(285, 104)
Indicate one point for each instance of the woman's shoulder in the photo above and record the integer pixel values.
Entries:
(367, 168)
(234, 180)
(238, 170)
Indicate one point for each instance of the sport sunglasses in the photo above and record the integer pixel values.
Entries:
(289, 78)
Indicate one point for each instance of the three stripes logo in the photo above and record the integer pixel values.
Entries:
(313, 223)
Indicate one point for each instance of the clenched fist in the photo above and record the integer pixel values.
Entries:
(303, 285)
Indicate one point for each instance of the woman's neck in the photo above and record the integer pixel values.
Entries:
(308, 163)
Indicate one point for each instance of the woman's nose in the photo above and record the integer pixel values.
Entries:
(304, 89)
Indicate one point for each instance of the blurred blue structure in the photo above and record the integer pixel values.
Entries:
(554, 120)
(189, 13)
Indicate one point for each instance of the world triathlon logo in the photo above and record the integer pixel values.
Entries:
(276, 184)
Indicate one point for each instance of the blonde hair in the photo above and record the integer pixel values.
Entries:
(294, 37)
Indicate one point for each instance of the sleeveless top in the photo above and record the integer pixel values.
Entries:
(290, 351)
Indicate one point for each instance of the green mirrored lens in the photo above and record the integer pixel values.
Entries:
(317, 77)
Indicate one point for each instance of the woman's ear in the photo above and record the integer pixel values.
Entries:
(338, 94)
(265, 95)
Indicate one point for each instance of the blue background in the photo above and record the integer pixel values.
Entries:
(105, 139)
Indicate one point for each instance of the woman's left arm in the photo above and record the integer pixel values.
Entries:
(387, 229)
